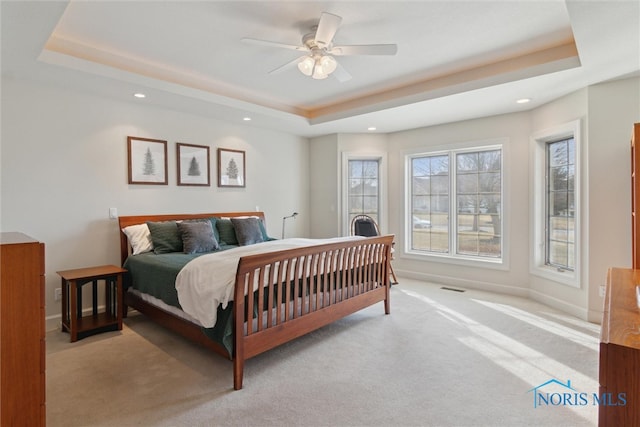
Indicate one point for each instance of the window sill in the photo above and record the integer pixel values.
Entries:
(494, 264)
(568, 278)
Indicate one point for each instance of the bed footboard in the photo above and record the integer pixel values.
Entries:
(300, 290)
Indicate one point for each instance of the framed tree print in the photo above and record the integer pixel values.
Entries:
(231, 168)
(147, 161)
(193, 164)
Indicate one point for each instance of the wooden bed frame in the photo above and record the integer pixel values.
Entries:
(316, 285)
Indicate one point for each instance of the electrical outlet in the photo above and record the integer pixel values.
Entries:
(602, 290)
(113, 213)
(57, 294)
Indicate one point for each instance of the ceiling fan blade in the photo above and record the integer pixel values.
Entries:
(327, 28)
(287, 66)
(341, 74)
(364, 49)
(273, 44)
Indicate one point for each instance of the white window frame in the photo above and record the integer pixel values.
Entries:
(538, 143)
(382, 185)
(501, 263)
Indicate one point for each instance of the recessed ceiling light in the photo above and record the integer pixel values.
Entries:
(523, 100)
(139, 95)
(247, 119)
(371, 128)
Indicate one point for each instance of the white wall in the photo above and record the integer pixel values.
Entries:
(613, 109)
(324, 177)
(365, 145)
(64, 164)
(514, 129)
(566, 109)
(607, 112)
(326, 172)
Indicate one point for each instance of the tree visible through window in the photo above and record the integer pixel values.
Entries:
(364, 188)
(456, 203)
(430, 203)
(479, 194)
(560, 204)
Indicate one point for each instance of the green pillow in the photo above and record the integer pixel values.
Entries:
(165, 236)
(226, 232)
(263, 230)
(216, 234)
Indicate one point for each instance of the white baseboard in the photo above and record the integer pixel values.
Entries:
(54, 322)
(525, 292)
(465, 283)
(595, 316)
(563, 306)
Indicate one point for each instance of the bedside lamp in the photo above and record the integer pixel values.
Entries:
(293, 215)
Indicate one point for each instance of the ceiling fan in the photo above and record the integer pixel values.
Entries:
(318, 61)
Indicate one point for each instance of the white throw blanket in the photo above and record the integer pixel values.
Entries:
(209, 280)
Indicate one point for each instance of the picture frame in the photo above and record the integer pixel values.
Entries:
(231, 168)
(147, 161)
(193, 165)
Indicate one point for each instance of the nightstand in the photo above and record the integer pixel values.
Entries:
(110, 319)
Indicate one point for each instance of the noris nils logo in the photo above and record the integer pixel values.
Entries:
(556, 393)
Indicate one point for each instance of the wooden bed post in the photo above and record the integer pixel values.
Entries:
(238, 337)
(387, 300)
(387, 285)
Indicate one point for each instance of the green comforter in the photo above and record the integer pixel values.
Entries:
(155, 274)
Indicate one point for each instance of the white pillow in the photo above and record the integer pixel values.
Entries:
(139, 238)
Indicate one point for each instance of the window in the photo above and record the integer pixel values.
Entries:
(466, 183)
(430, 203)
(363, 188)
(560, 207)
(556, 204)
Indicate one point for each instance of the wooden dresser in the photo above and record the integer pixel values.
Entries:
(22, 339)
(620, 350)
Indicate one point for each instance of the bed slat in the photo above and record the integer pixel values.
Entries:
(315, 286)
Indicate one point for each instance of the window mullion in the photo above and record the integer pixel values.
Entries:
(453, 205)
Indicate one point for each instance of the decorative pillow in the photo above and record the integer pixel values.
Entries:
(139, 238)
(226, 231)
(216, 234)
(263, 230)
(197, 236)
(247, 230)
(165, 236)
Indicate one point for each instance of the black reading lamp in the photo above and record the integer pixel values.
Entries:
(293, 215)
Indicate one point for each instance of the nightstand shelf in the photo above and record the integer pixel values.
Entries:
(73, 321)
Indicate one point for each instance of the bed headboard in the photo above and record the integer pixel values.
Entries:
(125, 221)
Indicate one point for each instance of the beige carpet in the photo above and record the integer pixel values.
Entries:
(442, 358)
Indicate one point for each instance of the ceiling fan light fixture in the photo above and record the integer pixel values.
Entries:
(328, 64)
(317, 66)
(319, 73)
(319, 62)
(307, 65)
